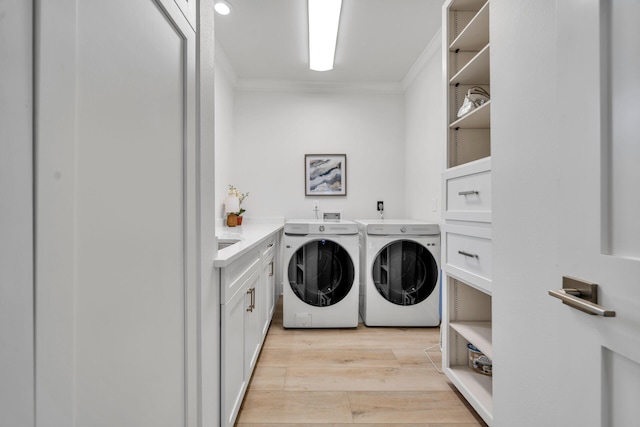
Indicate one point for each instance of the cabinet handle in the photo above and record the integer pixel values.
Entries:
(467, 193)
(467, 254)
(271, 273)
(252, 299)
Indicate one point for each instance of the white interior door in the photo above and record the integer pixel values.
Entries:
(598, 89)
(116, 245)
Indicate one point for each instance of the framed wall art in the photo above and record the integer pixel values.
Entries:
(325, 174)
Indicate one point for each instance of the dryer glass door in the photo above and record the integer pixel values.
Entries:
(405, 272)
(321, 273)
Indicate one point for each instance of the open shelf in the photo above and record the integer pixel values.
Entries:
(476, 71)
(480, 118)
(474, 36)
(475, 387)
(477, 333)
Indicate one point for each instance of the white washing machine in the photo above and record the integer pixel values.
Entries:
(400, 273)
(321, 274)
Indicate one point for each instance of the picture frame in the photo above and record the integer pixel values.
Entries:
(325, 174)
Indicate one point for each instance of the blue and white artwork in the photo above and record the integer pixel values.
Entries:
(325, 174)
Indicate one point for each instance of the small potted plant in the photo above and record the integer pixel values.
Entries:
(241, 196)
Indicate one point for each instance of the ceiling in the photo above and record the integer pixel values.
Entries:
(378, 40)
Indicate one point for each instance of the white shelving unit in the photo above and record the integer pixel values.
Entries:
(466, 192)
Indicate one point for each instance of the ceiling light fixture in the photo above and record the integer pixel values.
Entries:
(324, 20)
(222, 7)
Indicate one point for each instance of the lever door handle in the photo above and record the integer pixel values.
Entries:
(581, 295)
(467, 193)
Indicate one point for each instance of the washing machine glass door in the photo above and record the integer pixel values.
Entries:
(404, 272)
(321, 273)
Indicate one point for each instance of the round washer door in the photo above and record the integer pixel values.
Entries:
(321, 273)
(404, 272)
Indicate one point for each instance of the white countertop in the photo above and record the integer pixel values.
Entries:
(251, 233)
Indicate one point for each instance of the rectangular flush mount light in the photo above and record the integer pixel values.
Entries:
(324, 19)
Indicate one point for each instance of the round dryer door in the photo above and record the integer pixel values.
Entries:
(321, 273)
(405, 273)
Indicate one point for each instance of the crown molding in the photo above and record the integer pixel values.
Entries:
(271, 85)
(432, 48)
(222, 63)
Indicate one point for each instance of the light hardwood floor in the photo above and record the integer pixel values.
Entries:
(339, 377)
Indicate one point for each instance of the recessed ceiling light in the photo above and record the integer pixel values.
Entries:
(222, 7)
(324, 19)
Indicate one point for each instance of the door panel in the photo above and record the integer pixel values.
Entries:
(16, 215)
(621, 389)
(115, 214)
(598, 237)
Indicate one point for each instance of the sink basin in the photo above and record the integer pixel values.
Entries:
(225, 243)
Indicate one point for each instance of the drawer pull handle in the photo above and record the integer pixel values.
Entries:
(467, 193)
(252, 302)
(467, 254)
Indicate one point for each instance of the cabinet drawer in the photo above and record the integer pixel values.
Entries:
(467, 192)
(468, 255)
(268, 250)
(233, 276)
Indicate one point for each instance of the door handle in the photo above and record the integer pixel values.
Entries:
(467, 193)
(582, 296)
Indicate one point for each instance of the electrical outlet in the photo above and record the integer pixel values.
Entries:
(316, 205)
(380, 206)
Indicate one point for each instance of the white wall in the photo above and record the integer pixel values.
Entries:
(274, 129)
(525, 202)
(225, 80)
(393, 137)
(425, 135)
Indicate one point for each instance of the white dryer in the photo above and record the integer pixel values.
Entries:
(321, 274)
(400, 273)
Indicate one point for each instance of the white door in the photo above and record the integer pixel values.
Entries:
(116, 245)
(599, 128)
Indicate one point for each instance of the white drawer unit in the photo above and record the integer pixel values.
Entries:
(467, 201)
(231, 275)
(247, 298)
(468, 255)
(467, 192)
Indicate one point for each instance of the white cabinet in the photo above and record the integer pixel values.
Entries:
(240, 327)
(268, 258)
(467, 192)
(467, 196)
(247, 295)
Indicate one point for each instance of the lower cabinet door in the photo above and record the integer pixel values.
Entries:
(233, 378)
(268, 294)
(252, 325)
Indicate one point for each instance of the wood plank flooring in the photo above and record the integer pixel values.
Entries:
(340, 377)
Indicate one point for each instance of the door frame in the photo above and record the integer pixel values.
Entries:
(17, 388)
